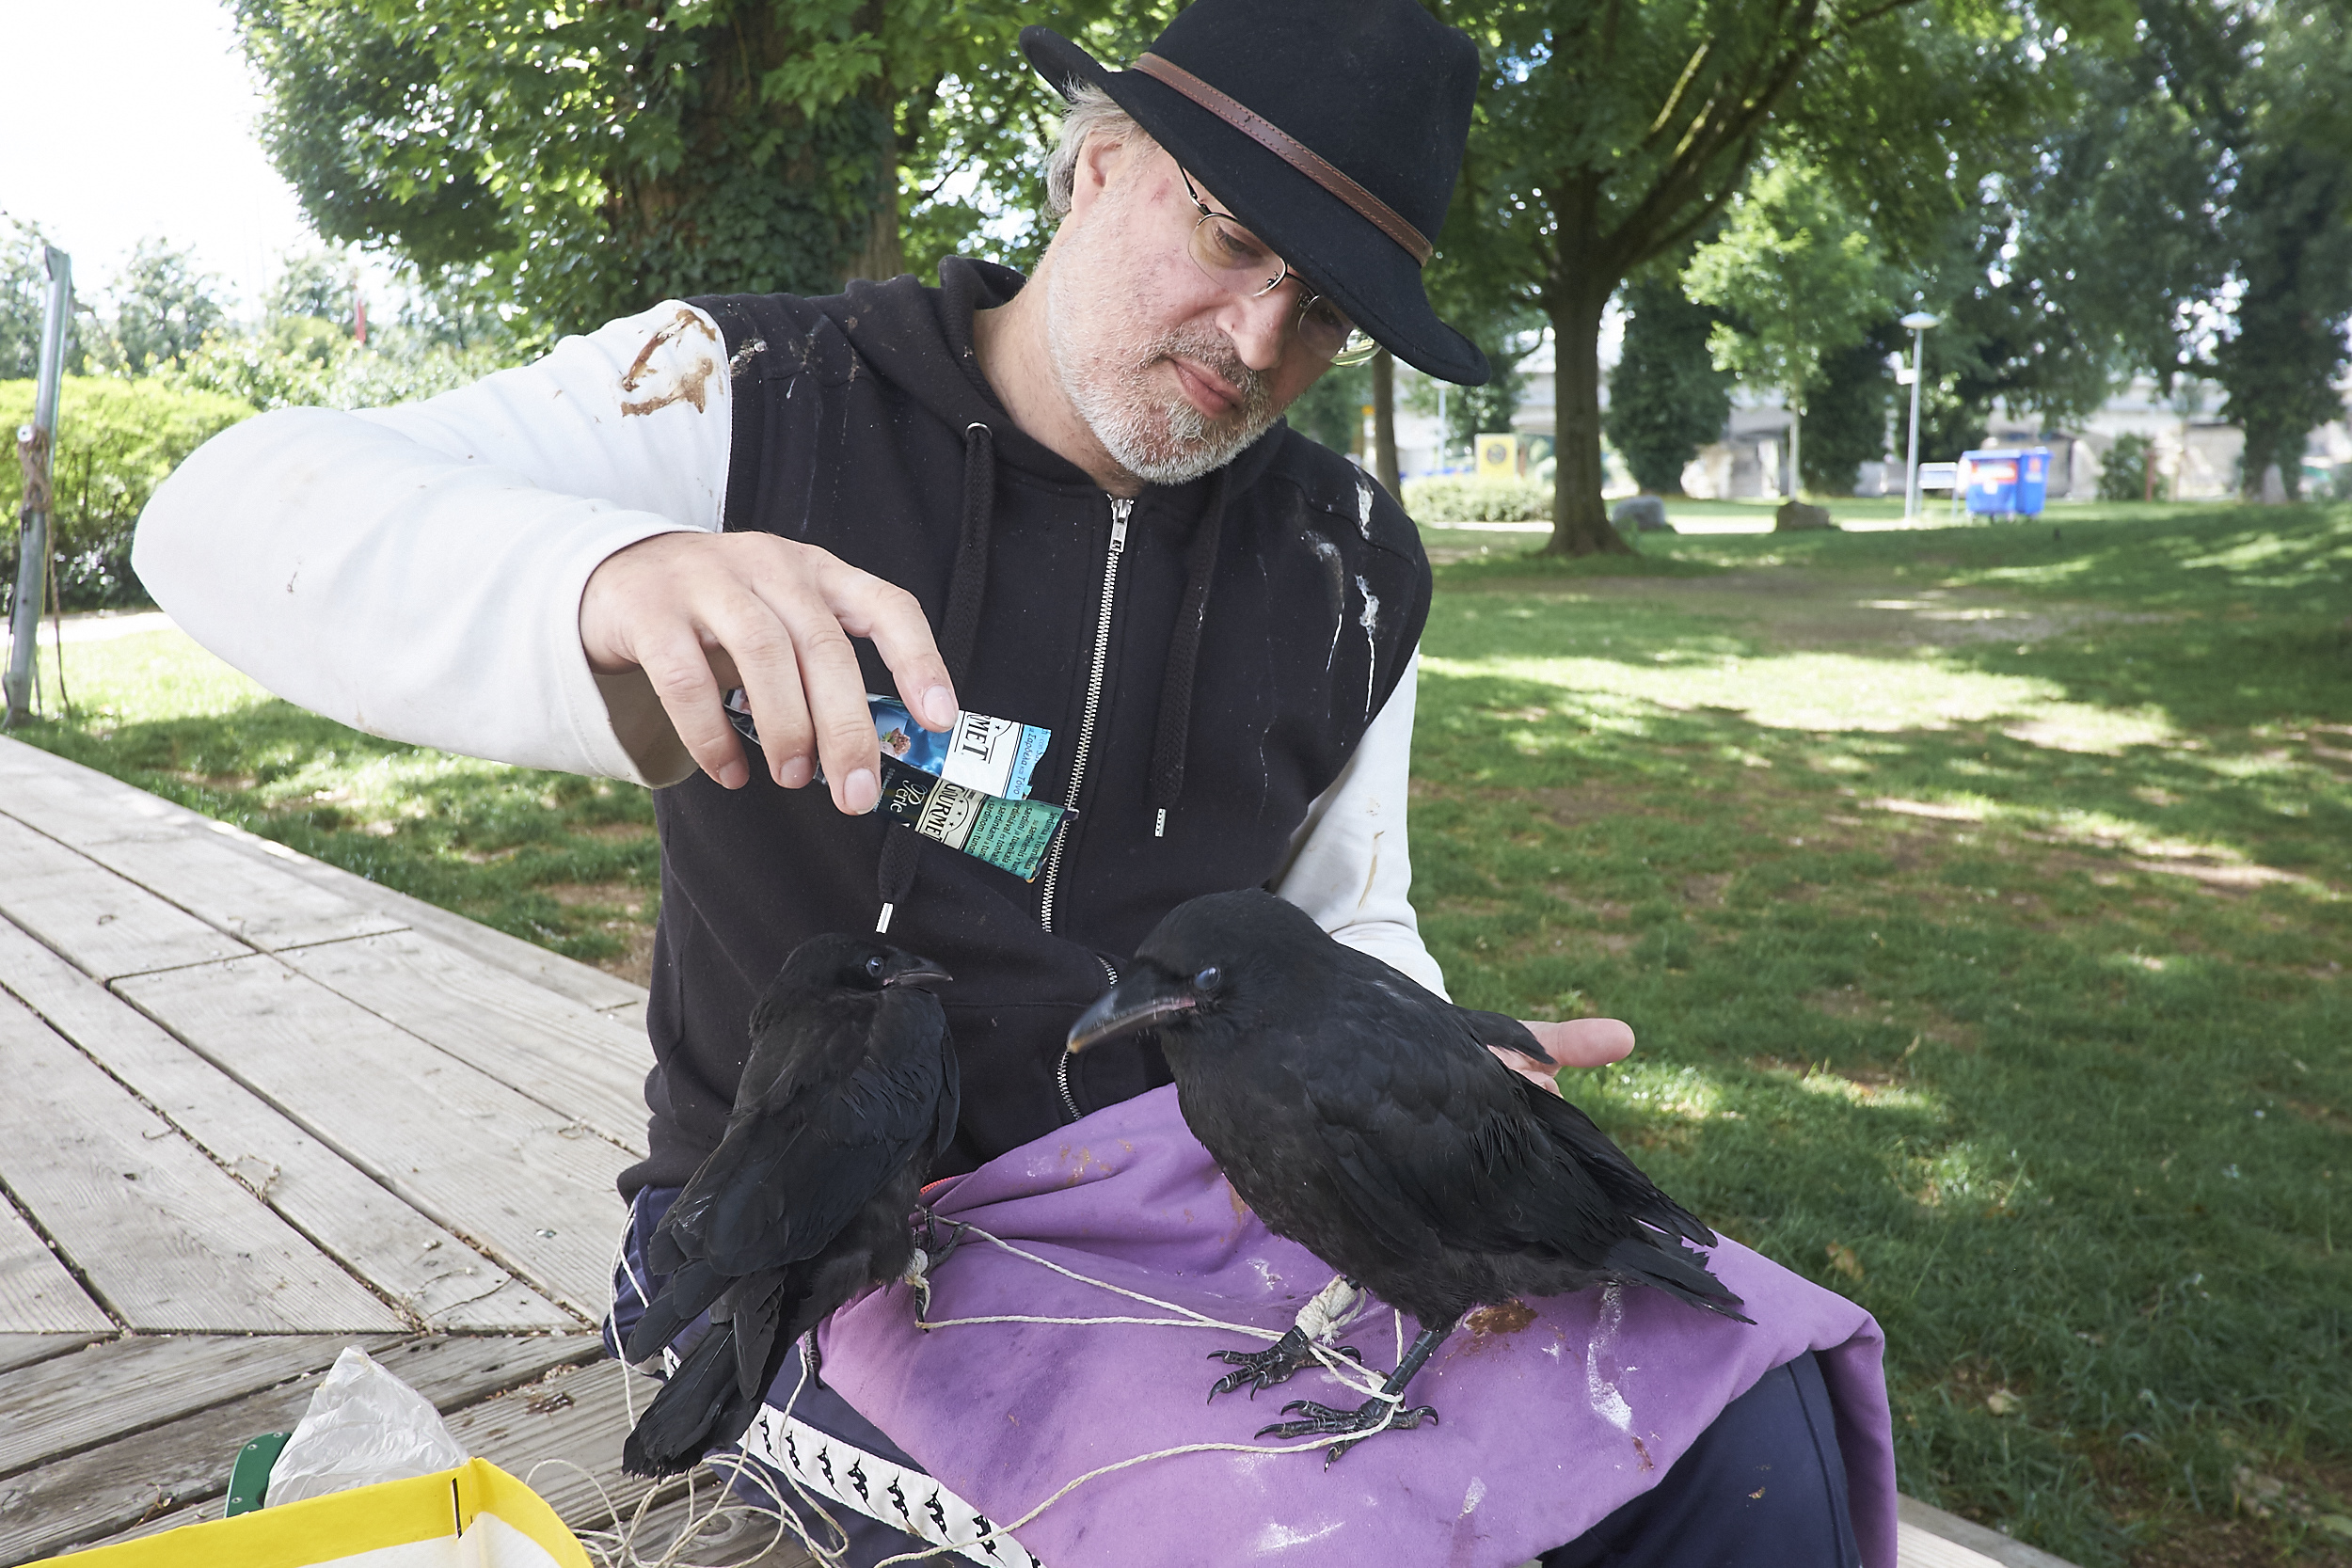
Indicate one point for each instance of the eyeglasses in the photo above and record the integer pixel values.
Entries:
(1238, 261)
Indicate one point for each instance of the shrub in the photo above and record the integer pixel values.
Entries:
(1477, 500)
(116, 441)
(2123, 477)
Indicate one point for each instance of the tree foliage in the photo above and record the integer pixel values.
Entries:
(2267, 90)
(1845, 414)
(1667, 397)
(24, 301)
(581, 161)
(163, 306)
(1607, 136)
(1797, 277)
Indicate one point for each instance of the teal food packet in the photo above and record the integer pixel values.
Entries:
(967, 788)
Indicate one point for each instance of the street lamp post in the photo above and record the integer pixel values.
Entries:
(1918, 321)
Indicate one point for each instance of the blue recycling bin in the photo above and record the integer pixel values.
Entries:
(2007, 482)
(2033, 481)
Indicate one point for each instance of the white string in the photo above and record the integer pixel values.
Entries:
(1346, 1370)
(1338, 1366)
(621, 1551)
(1006, 1530)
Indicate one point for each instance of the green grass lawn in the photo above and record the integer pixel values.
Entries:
(1979, 896)
(1979, 899)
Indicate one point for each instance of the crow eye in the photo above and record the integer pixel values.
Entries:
(874, 966)
(1207, 978)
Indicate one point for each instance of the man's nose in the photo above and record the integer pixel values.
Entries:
(1259, 327)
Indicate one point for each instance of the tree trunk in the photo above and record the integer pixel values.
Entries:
(1384, 424)
(881, 256)
(1580, 523)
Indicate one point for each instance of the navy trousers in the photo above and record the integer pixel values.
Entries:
(1763, 1487)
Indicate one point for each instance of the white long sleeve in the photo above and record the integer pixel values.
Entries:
(1349, 865)
(415, 572)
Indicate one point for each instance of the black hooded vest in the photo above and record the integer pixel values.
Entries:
(1259, 618)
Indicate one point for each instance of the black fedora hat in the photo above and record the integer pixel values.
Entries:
(1333, 128)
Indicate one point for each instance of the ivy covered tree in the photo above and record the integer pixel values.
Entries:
(1666, 398)
(579, 163)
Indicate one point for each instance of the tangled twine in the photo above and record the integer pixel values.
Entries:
(1326, 1314)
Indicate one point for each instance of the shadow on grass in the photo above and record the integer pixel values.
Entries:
(1999, 988)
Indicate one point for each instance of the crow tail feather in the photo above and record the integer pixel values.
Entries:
(1648, 1259)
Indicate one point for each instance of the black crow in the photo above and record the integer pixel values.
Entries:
(848, 1096)
(1363, 1117)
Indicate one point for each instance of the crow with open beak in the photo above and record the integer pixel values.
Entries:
(1364, 1117)
(848, 1095)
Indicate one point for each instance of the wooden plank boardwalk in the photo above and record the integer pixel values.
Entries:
(257, 1109)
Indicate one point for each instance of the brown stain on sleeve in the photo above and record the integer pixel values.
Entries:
(689, 384)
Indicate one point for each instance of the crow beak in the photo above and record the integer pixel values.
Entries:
(925, 970)
(1136, 1003)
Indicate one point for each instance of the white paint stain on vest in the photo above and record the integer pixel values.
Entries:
(1335, 581)
(1370, 621)
(1471, 1498)
(1608, 1404)
(1363, 506)
(672, 381)
(1280, 1537)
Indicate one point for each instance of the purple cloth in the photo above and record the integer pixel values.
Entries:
(1547, 1426)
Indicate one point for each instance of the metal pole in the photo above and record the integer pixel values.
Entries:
(1911, 469)
(36, 446)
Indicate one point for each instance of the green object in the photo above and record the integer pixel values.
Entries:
(248, 1478)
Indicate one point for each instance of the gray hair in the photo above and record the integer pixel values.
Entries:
(1091, 112)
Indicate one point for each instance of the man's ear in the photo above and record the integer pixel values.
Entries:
(1100, 162)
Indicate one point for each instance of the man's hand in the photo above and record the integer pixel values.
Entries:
(703, 612)
(1578, 1042)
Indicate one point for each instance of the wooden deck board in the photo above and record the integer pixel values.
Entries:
(39, 1296)
(105, 1490)
(108, 924)
(27, 1350)
(178, 856)
(62, 1406)
(422, 1267)
(569, 1057)
(498, 1169)
(167, 1239)
(76, 804)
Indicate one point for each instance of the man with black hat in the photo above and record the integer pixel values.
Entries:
(1065, 501)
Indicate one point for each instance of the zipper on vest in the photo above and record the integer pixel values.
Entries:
(1120, 507)
(1061, 1069)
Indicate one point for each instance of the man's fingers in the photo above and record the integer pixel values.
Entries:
(769, 670)
(1540, 1076)
(835, 689)
(1583, 1041)
(680, 672)
(893, 621)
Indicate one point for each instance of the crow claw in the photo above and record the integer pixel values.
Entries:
(1276, 1363)
(1350, 1426)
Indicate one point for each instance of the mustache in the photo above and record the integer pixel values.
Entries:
(1213, 352)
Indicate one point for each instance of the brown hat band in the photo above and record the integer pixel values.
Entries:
(1283, 146)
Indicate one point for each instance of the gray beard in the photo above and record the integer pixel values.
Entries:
(1159, 439)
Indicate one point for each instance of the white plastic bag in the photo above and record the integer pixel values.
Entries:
(363, 1426)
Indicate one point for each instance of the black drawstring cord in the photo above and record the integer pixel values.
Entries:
(1183, 653)
(894, 877)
